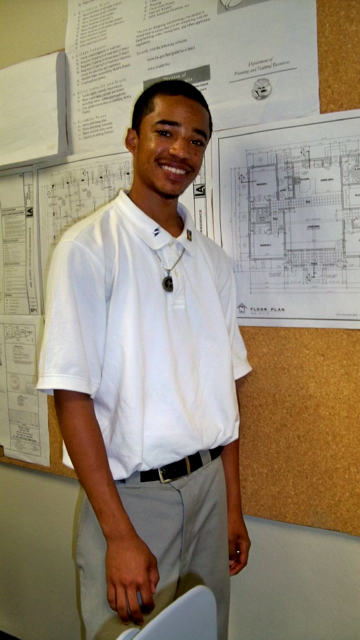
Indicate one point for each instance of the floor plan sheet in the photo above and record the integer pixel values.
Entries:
(287, 211)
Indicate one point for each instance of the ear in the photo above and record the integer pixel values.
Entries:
(131, 140)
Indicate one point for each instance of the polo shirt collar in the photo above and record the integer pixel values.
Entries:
(154, 235)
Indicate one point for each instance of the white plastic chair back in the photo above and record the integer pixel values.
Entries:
(190, 617)
(128, 634)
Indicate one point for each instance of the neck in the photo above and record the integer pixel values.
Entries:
(160, 209)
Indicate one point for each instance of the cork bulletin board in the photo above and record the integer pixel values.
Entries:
(300, 431)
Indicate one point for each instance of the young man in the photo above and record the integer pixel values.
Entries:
(142, 350)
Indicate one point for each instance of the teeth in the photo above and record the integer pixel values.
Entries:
(173, 170)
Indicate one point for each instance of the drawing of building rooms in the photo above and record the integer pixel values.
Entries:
(303, 216)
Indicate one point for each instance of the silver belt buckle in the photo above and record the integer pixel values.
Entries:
(167, 480)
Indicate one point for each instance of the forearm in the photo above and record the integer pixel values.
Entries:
(230, 460)
(84, 442)
(239, 542)
(231, 463)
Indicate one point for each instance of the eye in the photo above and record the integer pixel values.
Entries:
(198, 143)
(163, 132)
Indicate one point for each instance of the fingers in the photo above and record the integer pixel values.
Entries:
(131, 605)
(135, 600)
(123, 608)
(145, 599)
(236, 564)
(132, 577)
(118, 602)
(111, 596)
(134, 610)
(238, 557)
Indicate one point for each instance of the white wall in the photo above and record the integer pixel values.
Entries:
(301, 583)
(31, 28)
(38, 595)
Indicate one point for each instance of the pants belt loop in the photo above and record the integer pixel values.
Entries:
(133, 480)
(205, 457)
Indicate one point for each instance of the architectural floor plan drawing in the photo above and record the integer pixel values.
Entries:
(288, 214)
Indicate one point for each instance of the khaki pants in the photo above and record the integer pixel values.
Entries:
(184, 523)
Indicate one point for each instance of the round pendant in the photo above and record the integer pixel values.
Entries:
(167, 284)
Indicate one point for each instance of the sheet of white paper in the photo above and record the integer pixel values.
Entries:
(33, 113)
(19, 272)
(287, 211)
(255, 61)
(23, 411)
(70, 190)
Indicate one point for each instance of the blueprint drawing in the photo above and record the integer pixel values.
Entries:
(72, 190)
(288, 214)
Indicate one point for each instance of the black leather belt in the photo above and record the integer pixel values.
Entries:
(177, 469)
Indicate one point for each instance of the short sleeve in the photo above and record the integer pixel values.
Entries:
(75, 319)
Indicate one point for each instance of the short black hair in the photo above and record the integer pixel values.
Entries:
(145, 102)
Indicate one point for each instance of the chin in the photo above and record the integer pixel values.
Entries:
(170, 196)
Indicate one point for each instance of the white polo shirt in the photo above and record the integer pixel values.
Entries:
(160, 366)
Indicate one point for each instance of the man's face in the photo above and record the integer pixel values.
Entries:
(169, 149)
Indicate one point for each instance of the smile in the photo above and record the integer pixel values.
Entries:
(174, 170)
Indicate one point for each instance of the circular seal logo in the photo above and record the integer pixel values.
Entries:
(261, 89)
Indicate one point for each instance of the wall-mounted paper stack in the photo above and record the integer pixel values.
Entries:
(33, 110)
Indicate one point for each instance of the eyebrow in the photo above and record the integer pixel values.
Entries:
(174, 123)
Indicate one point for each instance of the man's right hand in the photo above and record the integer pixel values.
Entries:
(131, 575)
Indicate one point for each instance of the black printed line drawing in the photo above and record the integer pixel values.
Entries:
(298, 217)
(261, 89)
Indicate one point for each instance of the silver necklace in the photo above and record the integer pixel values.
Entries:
(167, 282)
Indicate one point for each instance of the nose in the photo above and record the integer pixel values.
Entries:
(179, 147)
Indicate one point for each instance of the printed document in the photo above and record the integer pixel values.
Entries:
(255, 60)
(287, 211)
(33, 111)
(23, 410)
(19, 260)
